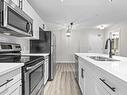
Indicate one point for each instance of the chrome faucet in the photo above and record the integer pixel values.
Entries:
(106, 47)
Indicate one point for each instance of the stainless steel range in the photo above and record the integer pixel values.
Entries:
(32, 71)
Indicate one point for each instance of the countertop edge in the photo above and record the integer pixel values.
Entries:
(36, 54)
(85, 58)
(11, 69)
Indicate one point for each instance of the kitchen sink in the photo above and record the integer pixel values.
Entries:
(100, 58)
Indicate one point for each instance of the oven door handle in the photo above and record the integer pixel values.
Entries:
(35, 66)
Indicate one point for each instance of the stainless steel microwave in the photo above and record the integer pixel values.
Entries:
(13, 21)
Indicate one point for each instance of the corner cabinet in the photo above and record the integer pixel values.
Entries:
(10, 83)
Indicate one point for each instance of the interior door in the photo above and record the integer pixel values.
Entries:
(95, 42)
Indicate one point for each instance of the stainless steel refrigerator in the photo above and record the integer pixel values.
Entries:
(46, 44)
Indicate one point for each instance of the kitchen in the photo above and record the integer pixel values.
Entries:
(63, 47)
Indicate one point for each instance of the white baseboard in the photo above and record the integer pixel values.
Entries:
(65, 61)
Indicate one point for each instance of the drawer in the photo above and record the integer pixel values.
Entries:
(8, 83)
(107, 83)
(2, 88)
(111, 83)
(9, 79)
(14, 79)
(100, 90)
(9, 75)
(11, 89)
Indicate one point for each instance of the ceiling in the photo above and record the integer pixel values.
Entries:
(84, 13)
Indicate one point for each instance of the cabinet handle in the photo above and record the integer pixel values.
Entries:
(112, 88)
(82, 72)
(6, 82)
(20, 4)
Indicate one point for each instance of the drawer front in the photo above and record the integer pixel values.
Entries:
(15, 88)
(100, 90)
(7, 80)
(2, 88)
(9, 75)
(112, 84)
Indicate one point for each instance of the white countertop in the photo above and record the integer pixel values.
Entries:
(35, 54)
(117, 68)
(7, 67)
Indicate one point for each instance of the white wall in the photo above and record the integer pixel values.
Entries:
(122, 28)
(83, 40)
(24, 42)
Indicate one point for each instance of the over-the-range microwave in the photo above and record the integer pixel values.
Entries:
(13, 21)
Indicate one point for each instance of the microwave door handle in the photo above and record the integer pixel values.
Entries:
(30, 27)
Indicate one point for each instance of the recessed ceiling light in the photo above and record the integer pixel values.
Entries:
(110, 0)
(61, 0)
(102, 26)
(68, 34)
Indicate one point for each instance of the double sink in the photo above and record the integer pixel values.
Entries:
(100, 58)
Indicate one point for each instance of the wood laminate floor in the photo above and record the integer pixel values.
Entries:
(64, 82)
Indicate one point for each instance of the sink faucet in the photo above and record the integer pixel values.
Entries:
(106, 47)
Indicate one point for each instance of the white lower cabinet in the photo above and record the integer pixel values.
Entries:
(46, 67)
(86, 78)
(95, 81)
(10, 83)
(81, 77)
(112, 84)
(100, 90)
(14, 89)
(104, 87)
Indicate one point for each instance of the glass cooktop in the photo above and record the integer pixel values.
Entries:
(19, 59)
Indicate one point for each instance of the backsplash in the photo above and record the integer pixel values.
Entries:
(24, 42)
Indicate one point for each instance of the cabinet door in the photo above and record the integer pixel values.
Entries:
(89, 82)
(76, 67)
(47, 69)
(100, 90)
(109, 83)
(46, 64)
(81, 73)
(44, 73)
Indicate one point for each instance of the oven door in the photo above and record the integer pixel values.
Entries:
(34, 79)
(15, 19)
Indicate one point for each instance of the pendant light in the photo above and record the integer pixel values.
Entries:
(69, 30)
